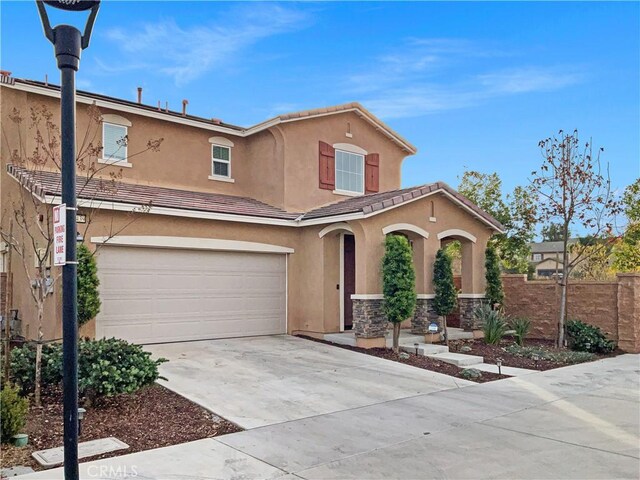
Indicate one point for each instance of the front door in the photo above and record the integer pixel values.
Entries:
(349, 280)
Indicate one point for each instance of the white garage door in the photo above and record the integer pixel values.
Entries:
(152, 295)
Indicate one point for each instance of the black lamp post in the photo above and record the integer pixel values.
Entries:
(68, 42)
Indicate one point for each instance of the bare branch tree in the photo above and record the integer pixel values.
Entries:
(31, 210)
(574, 192)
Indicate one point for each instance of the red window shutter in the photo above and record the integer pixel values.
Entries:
(327, 166)
(372, 173)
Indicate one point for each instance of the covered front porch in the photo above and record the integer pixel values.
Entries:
(352, 252)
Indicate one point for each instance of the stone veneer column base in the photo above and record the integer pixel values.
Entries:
(369, 322)
(423, 316)
(467, 306)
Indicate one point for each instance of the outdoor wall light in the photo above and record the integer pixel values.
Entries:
(81, 412)
(68, 42)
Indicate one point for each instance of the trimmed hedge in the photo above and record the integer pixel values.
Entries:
(106, 367)
(583, 337)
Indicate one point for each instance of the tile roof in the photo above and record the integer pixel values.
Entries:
(48, 183)
(373, 202)
(549, 247)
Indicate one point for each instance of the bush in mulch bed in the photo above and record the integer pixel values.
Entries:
(537, 355)
(414, 360)
(152, 417)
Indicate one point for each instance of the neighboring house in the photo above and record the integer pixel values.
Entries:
(547, 258)
(274, 228)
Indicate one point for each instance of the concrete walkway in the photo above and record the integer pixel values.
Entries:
(577, 422)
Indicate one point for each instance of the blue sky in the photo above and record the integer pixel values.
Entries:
(472, 85)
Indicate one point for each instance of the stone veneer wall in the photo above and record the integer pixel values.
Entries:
(369, 320)
(613, 306)
(423, 316)
(467, 306)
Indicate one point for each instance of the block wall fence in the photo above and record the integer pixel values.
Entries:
(614, 306)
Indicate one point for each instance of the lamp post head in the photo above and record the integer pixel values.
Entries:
(72, 5)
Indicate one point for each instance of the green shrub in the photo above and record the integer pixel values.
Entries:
(494, 291)
(398, 283)
(23, 366)
(106, 367)
(541, 353)
(13, 412)
(493, 324)
(521, 327)
(583, 337)
(88, 296)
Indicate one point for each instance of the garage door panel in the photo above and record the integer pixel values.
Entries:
(160, 295)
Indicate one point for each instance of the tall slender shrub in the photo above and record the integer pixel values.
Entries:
(446, 297)
(494, 292)
(398, 283)
(88, 295)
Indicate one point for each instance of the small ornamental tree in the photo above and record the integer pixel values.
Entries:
(398, 283)
(573, 190)
(446, 297)
(494, 292)
(88, 295)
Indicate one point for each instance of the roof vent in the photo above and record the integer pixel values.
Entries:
(217, 121)
(185, 102)
(139, 94)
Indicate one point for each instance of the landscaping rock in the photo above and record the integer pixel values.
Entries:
(465, 349)
(471, 373)
(404, 356)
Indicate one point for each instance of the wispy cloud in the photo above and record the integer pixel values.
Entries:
(427, 76)
(186, 53)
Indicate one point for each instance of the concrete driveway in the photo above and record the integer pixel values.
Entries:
(260, 381)
(579, 422)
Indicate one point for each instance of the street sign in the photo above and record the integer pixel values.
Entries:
(60, 235)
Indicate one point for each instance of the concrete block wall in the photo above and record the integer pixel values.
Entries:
(613, 306)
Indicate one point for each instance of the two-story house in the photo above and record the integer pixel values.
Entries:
(230, 231)
(547, 258)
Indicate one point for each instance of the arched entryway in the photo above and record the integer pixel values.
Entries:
(340, 278)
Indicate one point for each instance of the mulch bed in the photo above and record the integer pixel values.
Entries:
(491, 353)
(415, 361)
(150, 418)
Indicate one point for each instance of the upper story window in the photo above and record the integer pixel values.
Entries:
(349, 172)
(115, 140)
(537, 257)
(221, 159)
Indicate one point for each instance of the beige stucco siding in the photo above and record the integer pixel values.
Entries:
(301, 187)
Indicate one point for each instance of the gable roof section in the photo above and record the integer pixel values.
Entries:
(43, 183)
(207, 123)
(373, 203)
(355, 107)
(550, 247)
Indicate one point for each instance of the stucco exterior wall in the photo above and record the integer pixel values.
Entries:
(301, 157)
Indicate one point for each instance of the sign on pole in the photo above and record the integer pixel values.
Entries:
(60, 235)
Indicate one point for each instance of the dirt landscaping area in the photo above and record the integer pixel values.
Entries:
(153, 417)
(415, 361)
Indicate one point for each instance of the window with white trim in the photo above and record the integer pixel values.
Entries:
(349, 172)
(220, 161)
(114, 142)
(537, 257)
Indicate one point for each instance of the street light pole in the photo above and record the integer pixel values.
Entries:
(68, 43)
